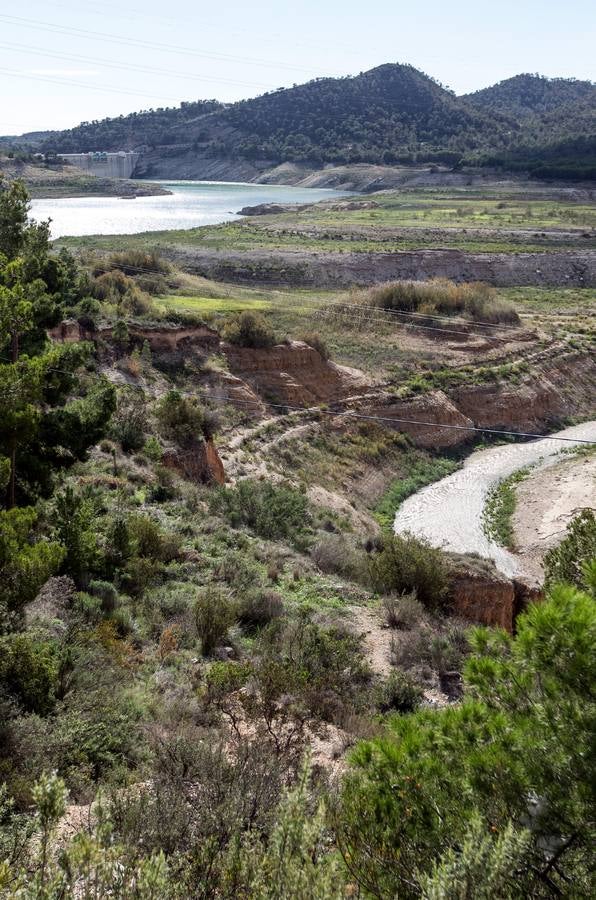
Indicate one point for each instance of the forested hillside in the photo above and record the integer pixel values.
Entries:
(391, 114)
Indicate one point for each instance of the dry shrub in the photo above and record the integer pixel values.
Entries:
(259, 608)
(168, 642)
(404, 611)
(314, 340)
(440, 296)
(337, 554)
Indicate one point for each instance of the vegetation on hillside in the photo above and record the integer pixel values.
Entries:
(391, 114)
(191, 703)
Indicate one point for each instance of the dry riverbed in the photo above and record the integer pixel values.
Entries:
(547, 500)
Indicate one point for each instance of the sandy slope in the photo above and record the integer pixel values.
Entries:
(546, 502)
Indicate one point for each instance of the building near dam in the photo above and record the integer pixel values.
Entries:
(110, 165)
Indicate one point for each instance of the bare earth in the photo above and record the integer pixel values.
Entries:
(546, 502)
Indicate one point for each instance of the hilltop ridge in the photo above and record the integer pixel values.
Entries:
(392, 114)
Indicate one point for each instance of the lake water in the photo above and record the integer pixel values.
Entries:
(191, 203)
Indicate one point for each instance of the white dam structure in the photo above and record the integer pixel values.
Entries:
(110, 165)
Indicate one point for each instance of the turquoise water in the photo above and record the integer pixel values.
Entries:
(191, 203)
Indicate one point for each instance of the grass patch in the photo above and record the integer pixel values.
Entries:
(497, 518)
(209, 304)
(422, 472)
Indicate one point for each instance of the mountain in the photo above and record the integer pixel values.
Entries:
(390, 114)
(556, 118)
(375, 117)
(526, 96)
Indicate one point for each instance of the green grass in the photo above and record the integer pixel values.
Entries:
(422, 472)
(210, 304)
(497, 519)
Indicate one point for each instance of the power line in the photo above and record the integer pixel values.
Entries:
(387, 419)
(151, 45)
(91, 87)
(129, 67)
(402, 421)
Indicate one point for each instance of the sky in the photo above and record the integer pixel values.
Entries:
(65, 62)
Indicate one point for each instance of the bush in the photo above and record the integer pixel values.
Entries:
(399, 693)
(248, 329)
(213, 614)
(29, 671)
(404, 611)
(441, 297)
(129, 422)
(274, 511)
(566, 563)
(153, 449)
(24, 563)
(181, 419)
(406, 564)
(260, 608)
(314, 340)
(336, 553)
(106, 593)
(150, 541)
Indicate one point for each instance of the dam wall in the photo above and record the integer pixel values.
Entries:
(109, 165)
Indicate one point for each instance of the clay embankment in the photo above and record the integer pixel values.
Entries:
(569, 268)
(555, 390)
(292, 373)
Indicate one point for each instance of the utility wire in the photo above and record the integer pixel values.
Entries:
(386, 419)
(13, 73)
(129, 67)
(392, 420)
(151, 45)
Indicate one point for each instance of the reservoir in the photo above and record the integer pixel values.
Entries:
(191, 203)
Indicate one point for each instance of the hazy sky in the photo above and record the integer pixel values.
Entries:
(64, 62)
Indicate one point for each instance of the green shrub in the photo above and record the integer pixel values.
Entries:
(25, 564)
(406, 564)
(150, 541)
(73, 517)
(89, 606)
(274, 511)
(180, 419)
(29, 671)
(163, 488)
(399, 693)
(566, 563)
(106, 593)
(129, 422)
(249, 329)
(214, 614)
(153, 449)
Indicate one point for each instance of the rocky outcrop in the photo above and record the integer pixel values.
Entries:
(200, 463)
(67, 332)
(271, 209)
(164, 338)
(292, 373)
(558, 388)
